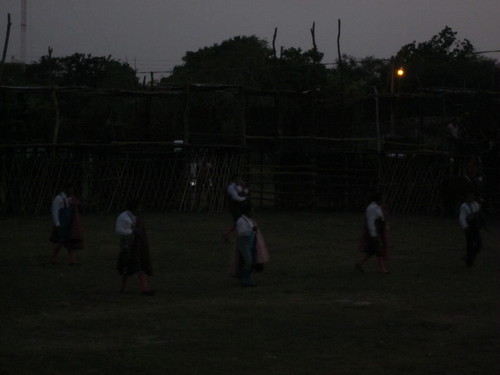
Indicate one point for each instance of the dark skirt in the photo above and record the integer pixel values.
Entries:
(380, 246)
(134, 255)
(70, 231)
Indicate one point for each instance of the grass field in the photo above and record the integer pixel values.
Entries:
(311, 313)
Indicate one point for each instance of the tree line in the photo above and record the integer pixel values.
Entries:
(251, 62)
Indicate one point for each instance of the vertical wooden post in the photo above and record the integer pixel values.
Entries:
(5, 46)
(391, 119)
(274, 42)
(186, 114)
(377, 120)
(341, 77)
(313, 35)
(243, 120)
(58, 121)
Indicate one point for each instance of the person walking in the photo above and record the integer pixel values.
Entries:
(134, 257)
(470, 221)
(251, 251)
(67, 231)
(375, 239)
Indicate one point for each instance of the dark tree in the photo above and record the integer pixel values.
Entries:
(81, 70)
(250, 62)
(444, 61)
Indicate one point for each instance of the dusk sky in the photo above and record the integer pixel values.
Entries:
(154, 35)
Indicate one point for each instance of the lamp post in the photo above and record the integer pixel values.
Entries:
(399, 73)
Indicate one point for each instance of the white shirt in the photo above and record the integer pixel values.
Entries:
(373, 212)
(244, 226)
(467, 209)
(60, 201)
(125, 223)
(234, 191)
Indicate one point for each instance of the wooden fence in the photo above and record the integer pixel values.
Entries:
(163, 176)
(169, 176)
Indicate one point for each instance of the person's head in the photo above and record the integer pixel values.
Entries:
(134, 206)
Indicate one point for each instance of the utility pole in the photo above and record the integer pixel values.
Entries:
(24, 10)
(5, 46)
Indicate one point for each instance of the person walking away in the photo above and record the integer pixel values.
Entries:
(237, 197)
(470, 221)
(375, 239)
(134, 257)
(259, 252)
(67, 230)
(251, 249)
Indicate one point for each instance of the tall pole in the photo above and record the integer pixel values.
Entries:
(340, 69)
(392, 96)
(24, 7)
(5, 46)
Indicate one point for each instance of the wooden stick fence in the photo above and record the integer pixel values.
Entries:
(107, 176)
(412, 182)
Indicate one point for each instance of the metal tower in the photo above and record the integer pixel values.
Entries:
(24, 7)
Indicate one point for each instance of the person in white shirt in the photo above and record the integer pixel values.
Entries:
(67, 231)
(373, 242)
(237, 198)
(469, 219)
(134, 255)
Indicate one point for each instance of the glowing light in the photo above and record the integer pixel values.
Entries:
(400, 72)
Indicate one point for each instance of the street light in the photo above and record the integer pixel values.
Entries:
(400, 72)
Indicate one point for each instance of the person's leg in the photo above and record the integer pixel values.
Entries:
(245, 249)
(474, 245)
(373, 247)
(123, 288)
(478, 241)
(72, 256)
(381, 264)
(144, 283)
(359, 264)
(470, 250)
(55, 253)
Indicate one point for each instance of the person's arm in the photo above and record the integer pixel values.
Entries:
(462, 218)
(56, 206)
(234, 194)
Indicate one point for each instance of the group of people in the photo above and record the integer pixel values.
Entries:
(133, 256)
(376, 240)
(250, 253)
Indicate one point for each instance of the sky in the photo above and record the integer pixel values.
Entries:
(154, 35)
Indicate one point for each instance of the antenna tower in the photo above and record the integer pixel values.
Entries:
(24, 7)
